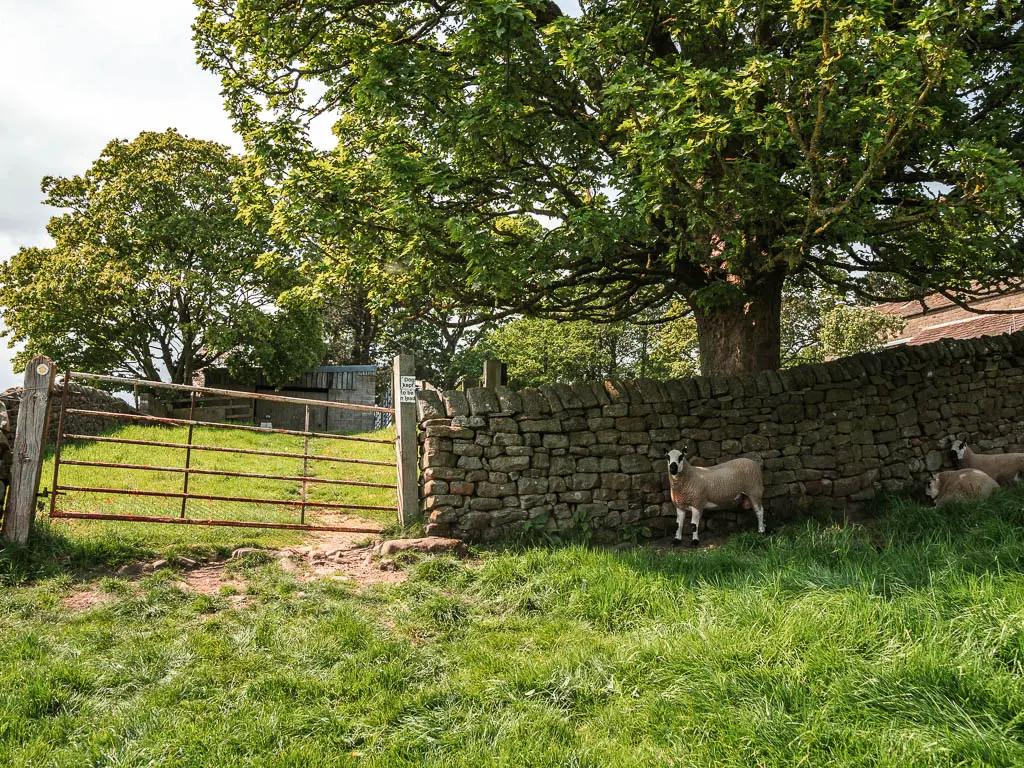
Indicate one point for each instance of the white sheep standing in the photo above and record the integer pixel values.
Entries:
(700, 488)
(959, 484)
(1004, 468)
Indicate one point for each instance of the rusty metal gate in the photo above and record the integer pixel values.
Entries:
(305, 479)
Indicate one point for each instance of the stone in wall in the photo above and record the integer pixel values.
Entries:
(833, 435)
(6, 452)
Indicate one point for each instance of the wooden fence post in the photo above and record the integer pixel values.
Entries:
(29, 445)
(403, 385)
(494, 373)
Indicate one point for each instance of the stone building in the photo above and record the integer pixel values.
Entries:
(335, 383)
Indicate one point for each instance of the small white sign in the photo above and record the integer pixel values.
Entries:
(42, 369)
(408, 393)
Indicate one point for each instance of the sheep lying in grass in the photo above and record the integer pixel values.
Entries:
(700, 488)
(960, 484)
(1004, 468)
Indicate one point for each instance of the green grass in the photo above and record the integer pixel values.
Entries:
(897, 645)
(161, 534)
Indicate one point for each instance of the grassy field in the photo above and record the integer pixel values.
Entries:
(897, 645)
(161, 534)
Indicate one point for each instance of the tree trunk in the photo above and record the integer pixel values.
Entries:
(742, 336)
(363, 332)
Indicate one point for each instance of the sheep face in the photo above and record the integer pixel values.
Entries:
(675, 462)
(933, 487)
(959, 448)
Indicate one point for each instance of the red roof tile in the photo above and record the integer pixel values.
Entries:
(982, 325)
(934, 301)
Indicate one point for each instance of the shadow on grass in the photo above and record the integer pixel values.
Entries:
(50, 553)
(903, 545)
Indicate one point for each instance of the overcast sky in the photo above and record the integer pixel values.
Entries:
(79, 73)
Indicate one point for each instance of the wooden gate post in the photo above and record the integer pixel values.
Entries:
(494, 373)
(29, 445)
(403, 387)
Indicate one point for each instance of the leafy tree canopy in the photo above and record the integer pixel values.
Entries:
(153, 274)
(503, 156)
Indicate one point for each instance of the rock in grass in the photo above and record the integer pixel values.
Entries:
(243, 551)
(429, 545)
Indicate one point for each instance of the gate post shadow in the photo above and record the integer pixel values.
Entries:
(29, 444)
(403, 385)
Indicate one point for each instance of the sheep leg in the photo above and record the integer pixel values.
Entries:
(695, 524)
(680, 521)
(759, 511)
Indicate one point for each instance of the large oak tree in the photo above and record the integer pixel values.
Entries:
(153, 274)
(503, 156)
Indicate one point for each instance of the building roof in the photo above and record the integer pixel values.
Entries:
(937, 317)
(972, 327)
(915, 306)
(936, 301)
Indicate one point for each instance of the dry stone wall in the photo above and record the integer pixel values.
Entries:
(80, 397)
(839, 433)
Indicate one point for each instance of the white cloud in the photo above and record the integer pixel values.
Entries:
(79, 73)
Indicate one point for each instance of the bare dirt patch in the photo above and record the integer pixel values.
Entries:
(83, 599)
(339, 560)
(345, 556)
(210, 580)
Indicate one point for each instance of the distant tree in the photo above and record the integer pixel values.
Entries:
(444, 352)
(675, 349)
(818, 324)
(350, 326)
(154, 275)
(539, 351)
(847, 330)
(544, 352)
(692, 150)
(821, 322)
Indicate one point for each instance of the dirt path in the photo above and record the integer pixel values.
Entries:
(336, 555)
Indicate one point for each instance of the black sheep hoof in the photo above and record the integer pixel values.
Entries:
(676, 542)
(694, 542)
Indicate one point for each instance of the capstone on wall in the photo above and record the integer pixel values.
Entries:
(838, 433)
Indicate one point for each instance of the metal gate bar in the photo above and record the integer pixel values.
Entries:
(222, 449)
(305, 468)
(234, 393)
(225, 473)
(188, 451)
(196, 521)
(211, 497)
(219, 425)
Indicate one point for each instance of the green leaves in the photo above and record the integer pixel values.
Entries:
(847, 330)
(152, 273)
(665, 149)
